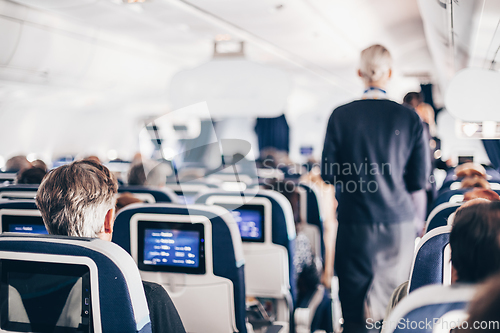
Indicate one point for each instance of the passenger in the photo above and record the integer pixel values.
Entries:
(474, 242)
(157, 176)
(475, 249)
(39, 164)
(94, 158)
(77, 199)
(412, 100)
(426, 113)
(470, 169)
(31, 176)
(423, 199)
(481, 193)
(475, 182)
(17, 163)
(125, 199)
(329, 217)
(483, 310)
(375, 153)
(137, 175)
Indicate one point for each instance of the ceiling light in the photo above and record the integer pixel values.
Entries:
(470, 128)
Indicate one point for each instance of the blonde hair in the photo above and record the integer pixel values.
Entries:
(426, 113)
(375, 62)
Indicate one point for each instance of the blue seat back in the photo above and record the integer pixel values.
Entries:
(429, 308)
(314, 212)
(432, 259)
(18, 191)
(7, 177)
(162, 194)
(18, 204)
(226, 261)
(22, 214)
(439, 215)
(447, 195)
(121, 303)
(283, 228)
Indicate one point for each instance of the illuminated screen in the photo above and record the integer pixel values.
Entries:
(171, 247)
(250, 220)
(24, 224)
(44, 297)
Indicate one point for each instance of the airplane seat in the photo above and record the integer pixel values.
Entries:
(205, 277)
(18, 191)
(89, 284)
(455, 196)
(187, 191)
(7, 177)
(431, 263)
(315, 312)
(20, 216)
(439, 215)
(150, 194)
(269, 268)
(431, 309)
(313, 216)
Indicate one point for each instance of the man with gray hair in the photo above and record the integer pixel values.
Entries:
(78, 199)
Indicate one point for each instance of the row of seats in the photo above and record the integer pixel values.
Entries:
(430, 295)
(268, 261)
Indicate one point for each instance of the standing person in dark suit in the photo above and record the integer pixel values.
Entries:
(375, 154)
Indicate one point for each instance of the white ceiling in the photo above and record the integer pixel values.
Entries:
(316, 41)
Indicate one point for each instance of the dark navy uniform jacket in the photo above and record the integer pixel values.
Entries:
(375, 153)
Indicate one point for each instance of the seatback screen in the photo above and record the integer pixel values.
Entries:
(171, 247)
(24, 224)
(44, 297)
(250, 220)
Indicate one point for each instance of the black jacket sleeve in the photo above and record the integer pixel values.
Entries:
(417, 168)
(162, 311)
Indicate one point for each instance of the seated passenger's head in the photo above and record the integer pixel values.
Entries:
(475, 242)
(470, 169)
(39, 164)
(126, 199)
(137, 175)
(413, 99)
(17, 163)
(31, 176)
(78, 199)
(483, 309)
(145, 173)
(375, 65)
(475, 181)
(425, 112)
(481, 193)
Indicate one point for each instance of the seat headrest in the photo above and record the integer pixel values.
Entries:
(438, 217)
(163, 194)
(117, 294)
(430, 259)
(18, 204)
(421, 311)
(227, 250)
